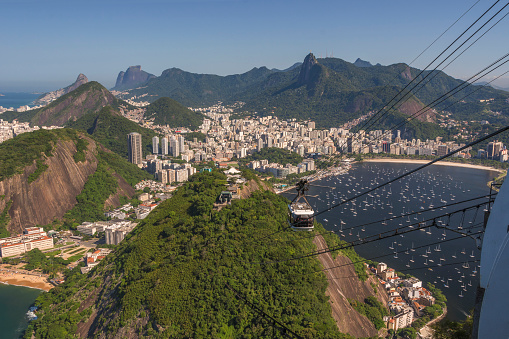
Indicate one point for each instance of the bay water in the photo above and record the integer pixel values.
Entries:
(14, 304)
(452, 266)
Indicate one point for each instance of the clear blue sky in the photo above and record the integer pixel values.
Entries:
(46, 44)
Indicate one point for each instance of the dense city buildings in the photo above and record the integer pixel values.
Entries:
(9, 130)
(407, 297)
(134, 146)
(227, 139)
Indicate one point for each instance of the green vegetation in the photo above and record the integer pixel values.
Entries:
(372, 309)
(198, 135)
(274, 154)
(408, 332)
(47, 263)
(79, 249)
(174, 269)
(335, 91)
(130, 172)
(447, 329)
(202, 89)
(92, 97)
(76, 257)
(23, 150)
(166, 111)
(100, 185)
(111, 129)
(4, 220)
(97, 189)
(39, 169)
(440, 298)
(81, 146)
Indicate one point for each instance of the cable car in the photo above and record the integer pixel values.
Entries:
(300, 212)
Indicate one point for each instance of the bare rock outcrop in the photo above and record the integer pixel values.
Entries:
(53, 193)
(344, 284)
(251, 185)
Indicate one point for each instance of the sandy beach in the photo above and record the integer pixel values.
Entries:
(440, 163)
(23, 279)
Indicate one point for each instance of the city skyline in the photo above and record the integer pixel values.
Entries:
(54, 41)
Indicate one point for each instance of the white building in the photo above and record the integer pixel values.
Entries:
(32, 237)
(117, 231)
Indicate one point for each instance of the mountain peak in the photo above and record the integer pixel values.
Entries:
(132, 77)
(81, 78)
(46, 98)
(305, 69)
(362, 63)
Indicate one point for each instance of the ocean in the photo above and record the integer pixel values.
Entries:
(14, 303)
(432, 187)
(16, 100)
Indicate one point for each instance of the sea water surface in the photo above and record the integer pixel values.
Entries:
(16, 100)
(14, 304)
(435, 186)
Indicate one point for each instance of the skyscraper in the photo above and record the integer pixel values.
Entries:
(155, 145)
(134, 148)
(493, 149)
(164, 146)
(181, 143)
(174, 146)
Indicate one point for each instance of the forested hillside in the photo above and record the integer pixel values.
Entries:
(111, 129)
(190, 272)
(87, 98)
(166, 111)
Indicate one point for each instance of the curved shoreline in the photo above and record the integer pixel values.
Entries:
(25, 279)
(440, 163)
(20, 285)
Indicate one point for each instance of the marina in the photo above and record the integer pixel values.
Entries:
(433, 253)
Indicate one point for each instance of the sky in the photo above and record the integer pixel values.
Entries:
(45, 44)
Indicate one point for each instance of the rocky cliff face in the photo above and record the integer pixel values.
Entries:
(53, 193)
(132, 78)
(347, 318)
(305, 69)
(362, 63)
(252, 186)
(46, 98)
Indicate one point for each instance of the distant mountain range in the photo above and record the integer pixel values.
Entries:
(330, 91)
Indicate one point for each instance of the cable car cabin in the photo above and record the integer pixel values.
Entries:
(301, 216)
